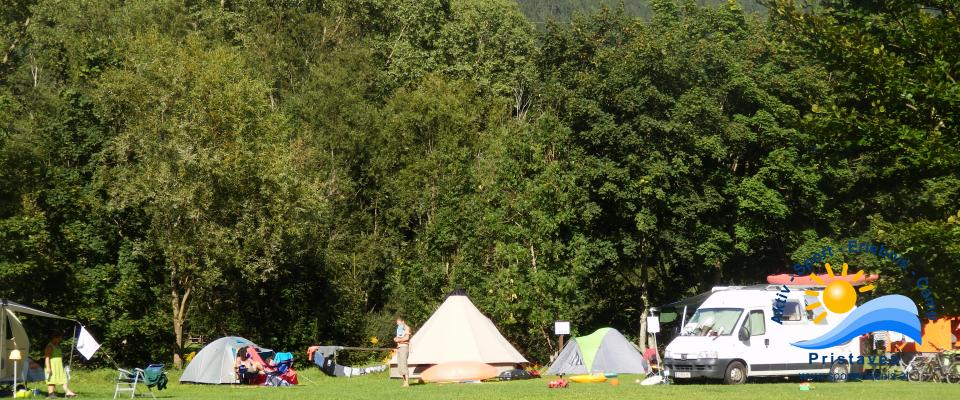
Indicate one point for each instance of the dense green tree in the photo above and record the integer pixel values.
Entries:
(690, 148)
(225, 187)
(544, 11)
(891, 120)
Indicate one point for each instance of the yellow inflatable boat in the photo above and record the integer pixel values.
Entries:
(596, 378)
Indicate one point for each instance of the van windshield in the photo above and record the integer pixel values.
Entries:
(712, 322)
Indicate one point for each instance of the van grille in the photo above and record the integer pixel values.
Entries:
(686, 368)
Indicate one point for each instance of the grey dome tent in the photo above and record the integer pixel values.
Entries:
(214, 363)
(605, 350)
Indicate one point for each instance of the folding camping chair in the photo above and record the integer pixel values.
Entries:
(151, 376)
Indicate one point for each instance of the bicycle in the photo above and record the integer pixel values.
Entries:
(939, 366)
(887, 371)
(916, 368)
(935, 367)
(950, 360)
(932, 370)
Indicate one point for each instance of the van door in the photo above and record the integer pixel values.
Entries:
(797, 325)
(760, 359)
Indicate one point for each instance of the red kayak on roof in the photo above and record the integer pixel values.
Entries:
(791, 279)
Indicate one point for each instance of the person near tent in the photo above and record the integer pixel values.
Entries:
(403, 349)
(248, 370)
(653, 360)
(54, 371)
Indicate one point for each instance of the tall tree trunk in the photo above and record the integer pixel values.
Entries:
(177, 343)
(642, 340)
(179, 312)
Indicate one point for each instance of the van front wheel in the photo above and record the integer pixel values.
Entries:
(736, 373)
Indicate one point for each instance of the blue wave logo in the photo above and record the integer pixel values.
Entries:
(888, 313)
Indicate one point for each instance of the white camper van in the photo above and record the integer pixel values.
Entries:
(734, 335)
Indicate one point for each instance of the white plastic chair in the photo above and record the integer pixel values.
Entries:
(127, 381)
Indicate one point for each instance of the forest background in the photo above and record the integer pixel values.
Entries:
(300, 171)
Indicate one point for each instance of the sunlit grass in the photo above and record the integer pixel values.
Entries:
(99, 384)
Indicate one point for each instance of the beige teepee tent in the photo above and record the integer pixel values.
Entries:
(457, 331)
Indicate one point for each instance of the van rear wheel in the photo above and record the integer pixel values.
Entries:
(736, 373)
(840, 372)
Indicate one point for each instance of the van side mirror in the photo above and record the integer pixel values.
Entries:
(744, 334)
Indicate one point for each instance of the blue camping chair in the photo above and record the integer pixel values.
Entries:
(282, 362)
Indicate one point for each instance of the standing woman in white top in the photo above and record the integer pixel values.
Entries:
(403, 349)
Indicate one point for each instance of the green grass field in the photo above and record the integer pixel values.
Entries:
(313, 384)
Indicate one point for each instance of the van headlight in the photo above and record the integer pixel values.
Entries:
(707, 354)
(667, 354)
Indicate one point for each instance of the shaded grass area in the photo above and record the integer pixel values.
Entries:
(99, 384)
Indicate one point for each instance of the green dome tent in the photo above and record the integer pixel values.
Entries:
(605, 350)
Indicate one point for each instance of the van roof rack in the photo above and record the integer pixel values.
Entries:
(777, 287)
(764, 286)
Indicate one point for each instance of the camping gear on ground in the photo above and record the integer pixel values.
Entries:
(214, 363)
(151, 376)
(605, 350)
(653, 380)
(557, 384)
(589, 378)
(458, 371)
(13, 337)
(515, 375)
(23, 393)
(807, 280)
(458, 331)
(155, 376)
(325, 357)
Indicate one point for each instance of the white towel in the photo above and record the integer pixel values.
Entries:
(86, 344)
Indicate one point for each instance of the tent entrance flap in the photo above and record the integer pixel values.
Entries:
(569, 361)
